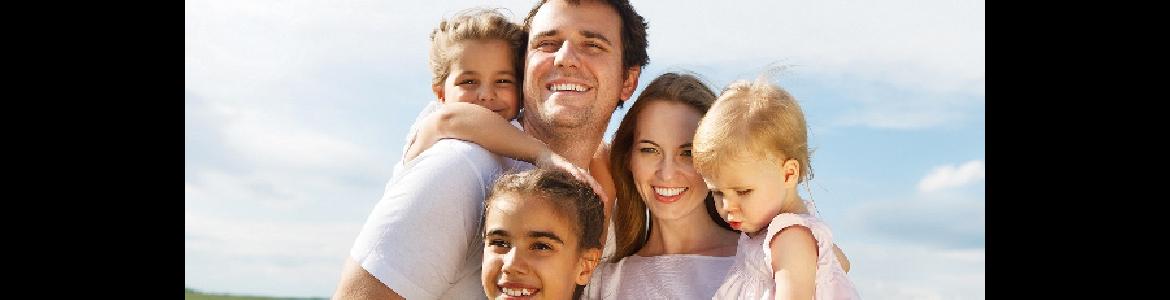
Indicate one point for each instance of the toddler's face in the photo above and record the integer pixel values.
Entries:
(483, 75)
(530, 251)
(748, 193)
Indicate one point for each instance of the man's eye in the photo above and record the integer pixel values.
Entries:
(498, 244)
(549, 46)
(686, 153)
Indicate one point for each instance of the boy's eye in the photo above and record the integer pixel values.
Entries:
(648, 150)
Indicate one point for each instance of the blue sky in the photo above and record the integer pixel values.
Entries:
(295, 112)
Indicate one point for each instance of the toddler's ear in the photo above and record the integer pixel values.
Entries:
(588, 263)
(791, 169)
(438, 89)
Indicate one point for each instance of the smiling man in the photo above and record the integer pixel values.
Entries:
(583, 59)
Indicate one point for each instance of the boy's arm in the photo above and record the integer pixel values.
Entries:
(794, 261)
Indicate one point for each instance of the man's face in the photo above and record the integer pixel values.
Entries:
(573, 66)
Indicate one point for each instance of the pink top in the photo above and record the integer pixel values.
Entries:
(751, 275)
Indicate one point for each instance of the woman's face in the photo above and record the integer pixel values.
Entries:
(661, 160)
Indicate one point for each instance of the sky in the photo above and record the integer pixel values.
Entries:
(295, 112)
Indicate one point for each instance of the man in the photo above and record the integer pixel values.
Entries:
(421, 241)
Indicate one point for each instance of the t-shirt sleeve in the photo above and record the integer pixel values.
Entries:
(424, 230)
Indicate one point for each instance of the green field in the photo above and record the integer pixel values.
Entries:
(190, 294)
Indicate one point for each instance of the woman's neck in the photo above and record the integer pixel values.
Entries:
(694, 234)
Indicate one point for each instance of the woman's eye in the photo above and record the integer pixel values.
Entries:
(504, 81)
(648, 150)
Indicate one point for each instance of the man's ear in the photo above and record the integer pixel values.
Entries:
(630, 82)
(438, 89)
(791, 169)
(588, 263)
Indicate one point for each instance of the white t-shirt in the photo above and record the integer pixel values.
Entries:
(677, 276)
(422, 238)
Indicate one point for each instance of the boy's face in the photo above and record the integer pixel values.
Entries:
(749, 192)
(530, 251)
(483, 74)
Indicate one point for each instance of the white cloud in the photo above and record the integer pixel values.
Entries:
(950, 176)
(295, 258)
(900, 271)
(932, 45)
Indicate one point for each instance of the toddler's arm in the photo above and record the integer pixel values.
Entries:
(794, 261)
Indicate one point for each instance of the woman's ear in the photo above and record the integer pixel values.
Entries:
(791, 169)
(588, 263)
(438, 89)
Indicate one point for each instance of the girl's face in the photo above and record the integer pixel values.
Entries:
(750, 192)
(530, 251)
(484, 75)
(661, 161)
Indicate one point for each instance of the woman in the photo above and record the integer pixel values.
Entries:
(683, 250)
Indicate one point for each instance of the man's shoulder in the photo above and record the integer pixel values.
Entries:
(454, 153)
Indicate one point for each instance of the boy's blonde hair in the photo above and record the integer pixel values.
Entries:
(473, 24)
(752, 119)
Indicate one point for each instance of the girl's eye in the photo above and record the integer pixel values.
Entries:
(541, 247)
(498, 244)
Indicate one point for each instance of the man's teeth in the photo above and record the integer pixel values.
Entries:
(669, 191)
(567, 87)
(518, 292)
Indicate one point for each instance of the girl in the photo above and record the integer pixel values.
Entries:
(752, 150)
(542, 232)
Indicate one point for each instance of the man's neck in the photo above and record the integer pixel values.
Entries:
(578, 148)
